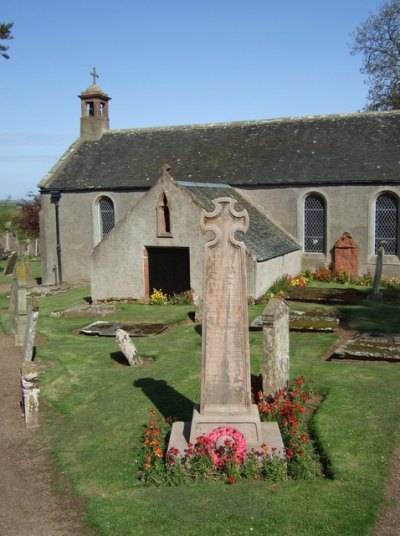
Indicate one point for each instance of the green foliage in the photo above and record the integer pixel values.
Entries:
(5, 33)
(182, 298)
(378, 41)
(8, 210)
(27, 217)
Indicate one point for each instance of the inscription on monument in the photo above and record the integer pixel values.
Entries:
(225, 349)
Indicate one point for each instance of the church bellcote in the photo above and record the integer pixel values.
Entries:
(94, 111)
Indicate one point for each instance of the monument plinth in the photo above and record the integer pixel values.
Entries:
(225, 368)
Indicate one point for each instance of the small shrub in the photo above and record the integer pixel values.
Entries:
(181, 298)
(158, 298)
(281, 288)
(288, 409)
(342, 276)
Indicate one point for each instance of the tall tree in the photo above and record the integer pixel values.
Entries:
(27, 217)
(378, 40)
(5, 33)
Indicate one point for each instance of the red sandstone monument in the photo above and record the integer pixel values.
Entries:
(225, 368)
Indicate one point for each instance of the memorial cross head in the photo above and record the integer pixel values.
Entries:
(224, 221)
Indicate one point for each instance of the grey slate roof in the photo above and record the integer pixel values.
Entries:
(264, 240)
(357, 148)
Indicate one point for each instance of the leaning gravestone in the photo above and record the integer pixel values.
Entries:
(30, 332)
(225, 369)
(275, 319)
(128, 348)
(10, 264)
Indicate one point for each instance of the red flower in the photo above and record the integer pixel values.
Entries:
(290, 453)
(231, 480)
(304, 438)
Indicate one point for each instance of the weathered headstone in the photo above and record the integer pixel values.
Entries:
(10, 264)
(198, 308)
(376, 293)
(128, 348)
(225, 369)
(275, 319)
(30, 393)
(30, 332)
(346, 254)
(13, 292)
(20, 312)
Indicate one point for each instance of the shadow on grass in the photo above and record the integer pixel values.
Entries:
(372, 315)
(168, 401)
(119, 358)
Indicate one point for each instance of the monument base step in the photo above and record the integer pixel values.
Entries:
(271, 436)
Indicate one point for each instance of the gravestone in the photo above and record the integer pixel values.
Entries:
(376, 293)
(20, 308)
(13, 292)
(10, 264)
(198, 308)
(30, 393)
(275, 319)
(225, 368)
(128, 348)
(30, 332)
(346, 255)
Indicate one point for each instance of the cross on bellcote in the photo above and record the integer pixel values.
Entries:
(95, 75)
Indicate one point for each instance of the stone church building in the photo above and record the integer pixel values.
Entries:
(310, 184)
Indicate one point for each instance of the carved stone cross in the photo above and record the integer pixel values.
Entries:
(225, 347)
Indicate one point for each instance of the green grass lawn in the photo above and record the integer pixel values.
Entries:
(94, 410)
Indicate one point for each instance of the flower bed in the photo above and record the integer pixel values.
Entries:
(222, 454)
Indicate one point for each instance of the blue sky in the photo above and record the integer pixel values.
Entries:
(168, 62)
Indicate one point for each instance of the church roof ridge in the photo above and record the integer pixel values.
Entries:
(255, 122)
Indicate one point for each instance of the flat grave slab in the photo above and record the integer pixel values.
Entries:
(342, 296)
(371, 346)
(85, 309)
(108, 329)
(306, 321)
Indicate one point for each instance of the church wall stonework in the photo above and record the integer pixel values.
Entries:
(76, 232)
(350, 209)
(268, 272)
(118, 262)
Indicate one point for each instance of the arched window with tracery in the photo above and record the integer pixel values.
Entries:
(163, 216)
(387, 223)
(314, 224)
(106, 216)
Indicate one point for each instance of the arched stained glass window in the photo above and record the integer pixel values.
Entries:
(107, 216)
(387, 223)
(314, 224)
